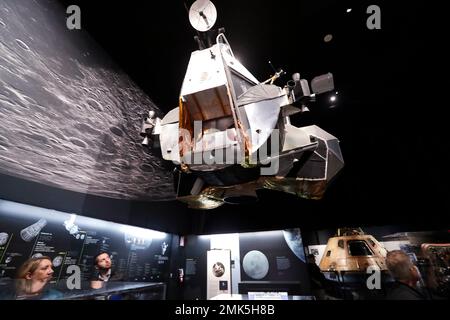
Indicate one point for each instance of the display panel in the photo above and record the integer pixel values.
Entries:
(26, 231)
(218, 272)
(260, 261)
(272, 256)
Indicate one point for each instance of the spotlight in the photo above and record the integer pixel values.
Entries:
(349, 10)
(333, 98)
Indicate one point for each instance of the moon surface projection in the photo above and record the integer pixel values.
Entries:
(255, 264)
(294, 240)
(70, 118)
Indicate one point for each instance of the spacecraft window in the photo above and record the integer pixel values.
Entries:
(359, 248)
(341, 244)
(372, 242)
(329, 253)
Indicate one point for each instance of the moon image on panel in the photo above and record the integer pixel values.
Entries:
(218, 269)
(294, 240)
(70, 118)
(57, 261)
(3, 238)
(255, 264)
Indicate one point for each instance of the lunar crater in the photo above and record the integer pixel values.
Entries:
(117, 131)
(22, 44)
(78, 142)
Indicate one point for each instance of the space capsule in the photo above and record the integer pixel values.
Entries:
(350, 253)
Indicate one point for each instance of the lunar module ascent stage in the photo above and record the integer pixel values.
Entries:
(231, 134)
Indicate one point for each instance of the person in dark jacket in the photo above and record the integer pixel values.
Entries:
(406, 276)
(319, 284)
(316, 276)
(103, 271)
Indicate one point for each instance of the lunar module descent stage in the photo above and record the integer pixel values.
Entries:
(231, 134)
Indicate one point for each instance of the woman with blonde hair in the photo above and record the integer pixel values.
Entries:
(33, 277)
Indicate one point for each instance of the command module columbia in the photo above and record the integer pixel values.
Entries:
(350, 253)
(231, 134)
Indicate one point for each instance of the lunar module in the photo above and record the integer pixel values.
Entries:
(232, 135)
(350, 253)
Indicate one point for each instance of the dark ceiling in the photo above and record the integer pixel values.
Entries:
(392, 131)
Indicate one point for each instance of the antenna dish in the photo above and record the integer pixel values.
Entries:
(202, 15)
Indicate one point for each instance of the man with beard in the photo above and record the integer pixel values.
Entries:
(103, 271)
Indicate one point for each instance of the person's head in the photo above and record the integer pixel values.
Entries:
(33, 275)
(401, 267)
(102, 261)
(311, 258)
(36, 269)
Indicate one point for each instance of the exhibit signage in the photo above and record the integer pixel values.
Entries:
(218, 272)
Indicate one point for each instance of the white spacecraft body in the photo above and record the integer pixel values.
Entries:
(232, 135)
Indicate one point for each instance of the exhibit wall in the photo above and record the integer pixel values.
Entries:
(70, 118)
(260, 261)
(26, 231)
